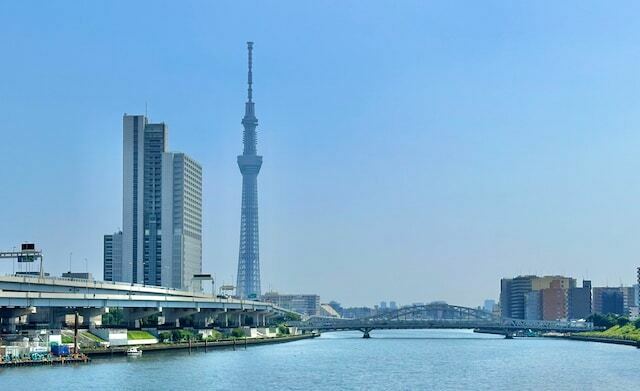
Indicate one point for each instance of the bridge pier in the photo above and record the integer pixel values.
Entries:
(92, 317)
(207, 317)
(365, 333)
(172, 316)
(12, 317)
(133, 316)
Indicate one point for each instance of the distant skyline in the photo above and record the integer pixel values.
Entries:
(413, 151)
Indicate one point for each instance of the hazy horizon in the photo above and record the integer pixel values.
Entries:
(412, 152)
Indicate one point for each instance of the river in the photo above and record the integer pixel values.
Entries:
(390, 360)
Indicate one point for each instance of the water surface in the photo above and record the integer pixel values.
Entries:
(390, 360)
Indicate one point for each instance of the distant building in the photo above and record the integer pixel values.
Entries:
(580, 303)
(513, 292)
(636, 296)
(634, 305)
(554, 301)
(488, 305)
(357, 312)
(304, 304)
(393, 305)
(628, 298)
(608, 300)
(78, 275)
(383, 306)
(533, 305)
(112, 257)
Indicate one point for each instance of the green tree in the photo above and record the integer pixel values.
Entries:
(282, 329)
(602, 320)
(215, 335)
(113, 317)
(237, 333)
(637, 323)
(176, 336)
(165, 336)
(622, 321)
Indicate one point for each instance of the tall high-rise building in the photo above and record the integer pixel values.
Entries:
(143, 145)
(182, 226)
(112, 252)
(248, 284)
(161, 239)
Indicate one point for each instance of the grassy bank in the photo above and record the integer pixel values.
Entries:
(139, 334)
(203, 346)
(628, 332)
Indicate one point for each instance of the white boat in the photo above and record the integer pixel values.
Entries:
(134, 351)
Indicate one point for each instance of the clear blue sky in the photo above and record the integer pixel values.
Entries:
(413, 151)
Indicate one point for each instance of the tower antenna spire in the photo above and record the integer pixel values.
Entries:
(250, 74)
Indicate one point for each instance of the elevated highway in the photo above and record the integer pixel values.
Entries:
(32, 299)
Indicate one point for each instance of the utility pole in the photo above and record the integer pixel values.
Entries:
(75, 335)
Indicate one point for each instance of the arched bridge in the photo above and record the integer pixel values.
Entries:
(438, 316)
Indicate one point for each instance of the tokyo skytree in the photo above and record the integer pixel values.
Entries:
(248, 285)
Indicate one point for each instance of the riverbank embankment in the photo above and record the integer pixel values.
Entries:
(239, 343)
(585, 338)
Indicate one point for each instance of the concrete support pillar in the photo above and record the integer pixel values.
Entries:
(207, 318)
(233, 318)
(172, 316)
(92, 317)
(13, 317)
(132, 316)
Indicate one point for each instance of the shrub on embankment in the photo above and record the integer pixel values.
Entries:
(629, 331)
